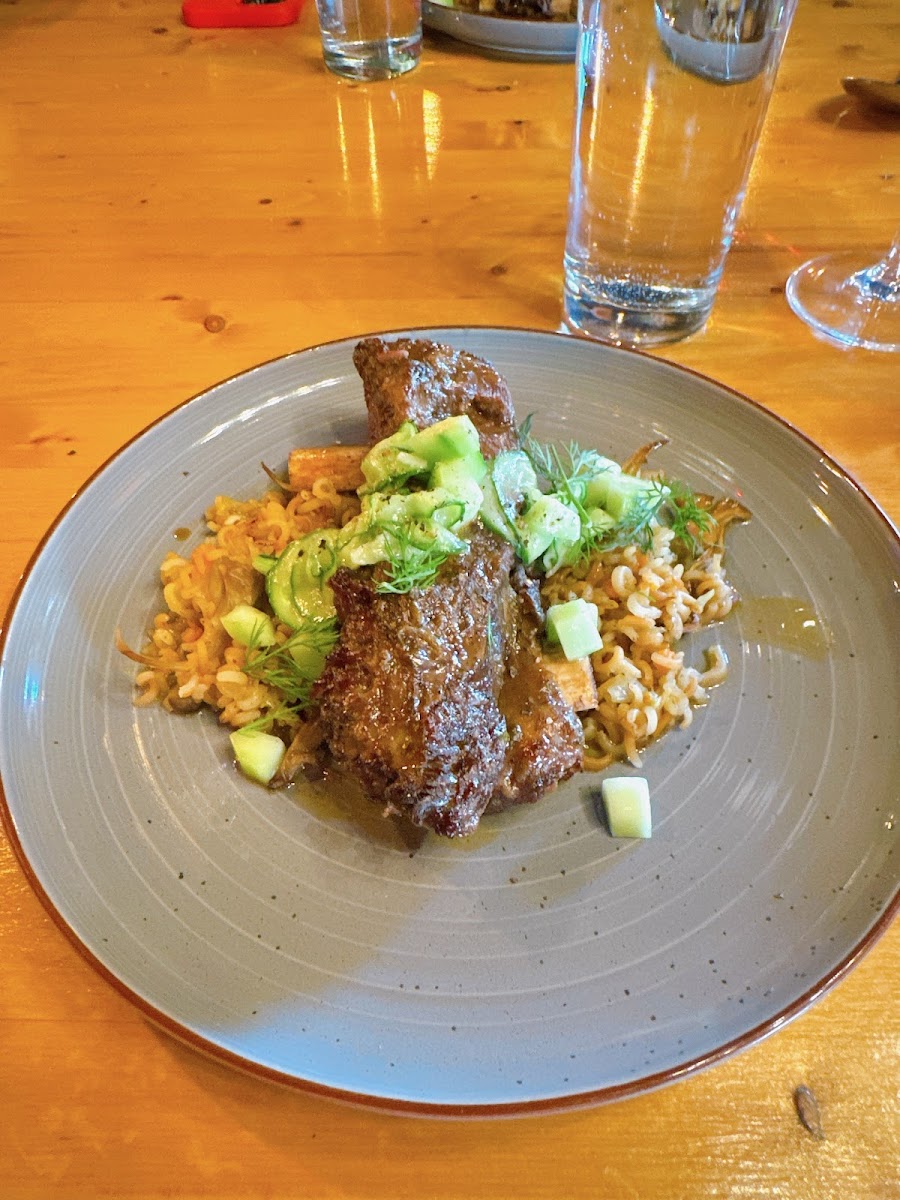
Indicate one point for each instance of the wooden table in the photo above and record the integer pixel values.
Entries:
(178, 205)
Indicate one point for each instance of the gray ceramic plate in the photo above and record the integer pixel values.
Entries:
(504, 37)
(542, 963)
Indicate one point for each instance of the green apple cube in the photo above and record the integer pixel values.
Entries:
(259, 755)
(248, 626)
(574, 626)
(627, 803)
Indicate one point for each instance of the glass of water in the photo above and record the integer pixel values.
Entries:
(670, 102)
(370, 39)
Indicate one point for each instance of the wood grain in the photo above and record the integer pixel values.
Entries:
(178, 205)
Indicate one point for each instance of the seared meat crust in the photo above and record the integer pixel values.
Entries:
(424, 382)
(409, 696)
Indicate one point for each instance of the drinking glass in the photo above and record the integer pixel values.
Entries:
(670, 101)
(851, 298)
(370, 39)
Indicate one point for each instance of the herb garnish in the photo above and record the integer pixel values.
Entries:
(292, 667)
(568, 471)
(686, 517)
(638, 528)
(412, 563)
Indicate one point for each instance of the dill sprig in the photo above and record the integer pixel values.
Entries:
(290, 667)
(644, 512)
(565, 469)
(283, 714)
(685, 516)
(412, 564)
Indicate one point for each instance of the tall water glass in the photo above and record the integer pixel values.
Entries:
(370, 39)
(671, 97)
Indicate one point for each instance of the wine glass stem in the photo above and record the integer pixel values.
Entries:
(882, 280)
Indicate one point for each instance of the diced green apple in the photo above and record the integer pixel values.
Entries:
(259, 755)
(248, 626)
(574, 626)
(626, 800)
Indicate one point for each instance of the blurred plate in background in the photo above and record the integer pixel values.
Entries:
(504, 37)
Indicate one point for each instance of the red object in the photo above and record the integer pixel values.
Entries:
(239, 14)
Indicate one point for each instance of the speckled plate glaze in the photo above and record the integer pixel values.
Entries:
(541, 964)
(504, 37)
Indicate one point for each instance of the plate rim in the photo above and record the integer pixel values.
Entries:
(576, 1100)
(453, 22)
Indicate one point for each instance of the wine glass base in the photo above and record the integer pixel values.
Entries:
(835, 295)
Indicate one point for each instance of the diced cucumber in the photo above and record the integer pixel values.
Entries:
(309, 661)
(363, 547)
(626, 800)
(508, 486)
(458, 478)
(454, 437)
(600, 519)
(297, 585)
(391, 462)
(597, 486)
(248, 626)
(434, 504)
(451, 513)
(429, 535)
(574, 625)
(493, 514)
(380, 508)
(565, 550)
(443, 506)
(560, 554)
(563, 553)
(601, 465)
(514, 480)
(392, 468)
(426, 520)
(384, 509)
(544, 522)
(618, 493)
(258, 754)
(457, 473)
